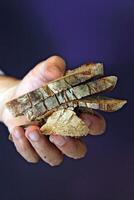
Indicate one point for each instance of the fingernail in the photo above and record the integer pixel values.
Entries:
(33, 136)
(17, 134)
(59, 140)
(55, 69)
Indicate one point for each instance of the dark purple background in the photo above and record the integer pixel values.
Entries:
(80, 31)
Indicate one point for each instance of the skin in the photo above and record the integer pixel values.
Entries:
(30, 143)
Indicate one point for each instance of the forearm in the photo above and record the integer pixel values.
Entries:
(7, 88)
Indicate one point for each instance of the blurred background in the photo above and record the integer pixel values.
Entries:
(80, 31)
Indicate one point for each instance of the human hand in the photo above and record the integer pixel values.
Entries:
(29, 142)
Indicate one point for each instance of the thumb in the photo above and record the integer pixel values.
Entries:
(42, 73)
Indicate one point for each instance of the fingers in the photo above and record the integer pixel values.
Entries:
(96, 123)
(23, 146)
(75, 148)
(71, 147)
(45, 71)
(45, 149)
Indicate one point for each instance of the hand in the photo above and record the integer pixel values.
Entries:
(30, 143)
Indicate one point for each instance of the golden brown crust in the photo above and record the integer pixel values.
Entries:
(54, 103)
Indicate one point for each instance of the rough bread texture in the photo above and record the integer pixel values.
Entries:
(65, 122)
(54, 104)
(34, 104)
